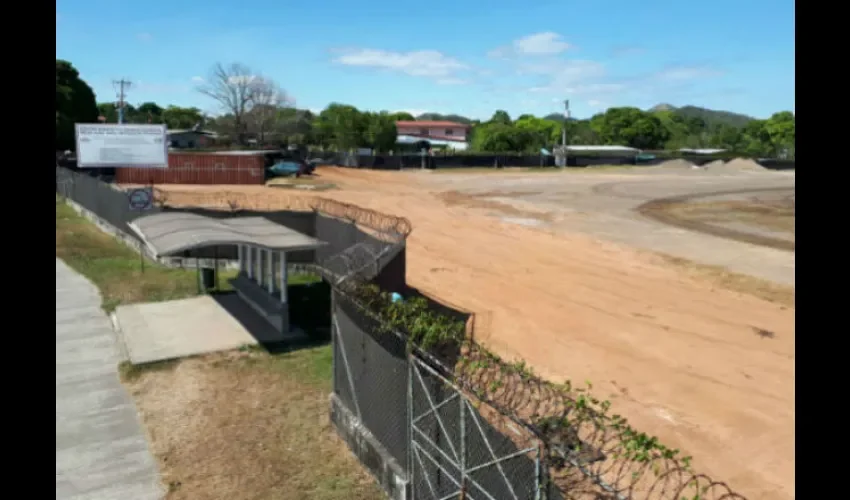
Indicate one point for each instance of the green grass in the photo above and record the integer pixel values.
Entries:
(115, 268)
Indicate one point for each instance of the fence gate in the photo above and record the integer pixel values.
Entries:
(457, 453)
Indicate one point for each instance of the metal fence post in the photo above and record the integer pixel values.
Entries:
(462, 412)
(334, 342)
(539, 478)
(410, 417)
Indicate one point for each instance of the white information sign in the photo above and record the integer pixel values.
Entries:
(114, 145)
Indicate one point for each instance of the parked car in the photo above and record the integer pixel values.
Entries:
(290, 168)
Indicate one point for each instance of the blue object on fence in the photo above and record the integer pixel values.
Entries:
(395, 297)
(545, 152)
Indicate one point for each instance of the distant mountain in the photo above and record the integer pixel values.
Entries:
(448, 118)
(663, 107)
(709, 116)
(557, 117)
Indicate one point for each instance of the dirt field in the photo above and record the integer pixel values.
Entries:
(550, 265)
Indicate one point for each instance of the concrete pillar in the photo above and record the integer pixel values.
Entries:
(240, 249)
(283, 277)
(270, 270)
(261, 271)
(250, 262)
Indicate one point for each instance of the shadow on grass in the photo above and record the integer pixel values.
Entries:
(309, 305)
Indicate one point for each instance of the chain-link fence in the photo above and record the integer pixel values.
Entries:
(105, 200)
(462, 448)
(451, 444)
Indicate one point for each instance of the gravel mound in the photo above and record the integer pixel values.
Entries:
(677, 164)
(715, 164)
(744, 164)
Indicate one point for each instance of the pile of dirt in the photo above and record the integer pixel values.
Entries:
(744, 164)
(714, 164)
(677, 164)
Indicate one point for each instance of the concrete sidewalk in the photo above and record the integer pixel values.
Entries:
(101, 450)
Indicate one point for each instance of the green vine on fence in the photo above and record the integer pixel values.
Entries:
(430, 330)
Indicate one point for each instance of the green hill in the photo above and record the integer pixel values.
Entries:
(709, 116)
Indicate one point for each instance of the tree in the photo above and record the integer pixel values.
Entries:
(380, 131)
(756, 139)
(267, 99)
(177, 118)
(295, 126)
(501, 116)
(497, 137)
(109, 111)
(147, 112)
(75, 103)
(402, 116)
(580, 132)
(630, 127)
(231, 87)
(340, 126)
(540, 133)
(781, 129)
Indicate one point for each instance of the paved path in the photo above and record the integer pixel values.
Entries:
(101, 451)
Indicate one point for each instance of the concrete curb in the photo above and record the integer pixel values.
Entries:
(120, 345)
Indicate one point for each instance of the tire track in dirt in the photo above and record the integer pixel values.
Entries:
(660, 211)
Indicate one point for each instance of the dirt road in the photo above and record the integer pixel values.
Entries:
(683, 360)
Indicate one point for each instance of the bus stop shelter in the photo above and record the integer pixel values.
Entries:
(262, 248)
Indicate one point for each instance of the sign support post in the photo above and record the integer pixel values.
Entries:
(141, 199)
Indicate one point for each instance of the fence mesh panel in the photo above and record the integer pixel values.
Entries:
(370, 376)
(465, 449)
(108, 202)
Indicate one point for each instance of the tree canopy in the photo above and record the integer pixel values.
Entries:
(75, 103)
(255, 106)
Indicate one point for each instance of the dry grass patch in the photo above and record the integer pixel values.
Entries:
(742, 283)
(247, 424)
(709, 217)
(773, 216)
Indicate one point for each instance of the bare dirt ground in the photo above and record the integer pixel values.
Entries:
(551, 264)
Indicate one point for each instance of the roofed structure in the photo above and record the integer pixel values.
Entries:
(170, 233)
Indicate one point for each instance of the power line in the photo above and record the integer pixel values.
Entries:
(122, 87)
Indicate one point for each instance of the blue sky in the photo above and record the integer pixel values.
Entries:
(469, 57)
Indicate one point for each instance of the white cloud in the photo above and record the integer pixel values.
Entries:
(144, 37)
(198, 79)
(570, 77)
(425, 63)
(595, 103)
(684, 73)
(547, 43)
(538, 44)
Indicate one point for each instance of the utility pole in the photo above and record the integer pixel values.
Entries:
(122, 86)
(564, 131)
(566, 119)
